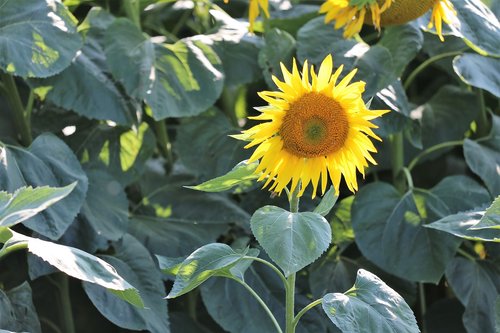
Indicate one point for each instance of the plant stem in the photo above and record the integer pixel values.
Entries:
(261, 302)
(133, 10)
(304, 310)
(267, 263)
(397, 148)
(482, 121)
(12, 248)
(466, 255)
(17, 109)
(426, 64)
(423, 306)
(290, 304)
(432, 149)
(290, 281)
(66, 309)
(164, 141)
(409, 179)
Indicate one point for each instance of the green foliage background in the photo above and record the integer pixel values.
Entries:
(131, 101)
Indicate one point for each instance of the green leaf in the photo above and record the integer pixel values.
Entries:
(237, 49)
(370, 306)
(463, 225)
(106, 205)
(223, 300)
(17, 310)
(208, 135)
(39, 38)
(130, 57)
(279, 48)
(475, 283)
(242, 173)
(188, 79)
(27, 202)
(327, 202)
(86, 88)
(478, 71)
(390, 231)
(491, 218)
(135, 264)
(450, 105)
(483, 158)
(78, 264)
(478, 25)
(48, 161)
(315, 40)
(292, 240)
(210, 260)
(332, 274)
(122, 152)
(404, 42)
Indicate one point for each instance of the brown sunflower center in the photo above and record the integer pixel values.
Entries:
(314, 125)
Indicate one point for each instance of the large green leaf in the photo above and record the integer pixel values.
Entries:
(174, 237)
(242, 173)
(17, 311)
(38, 37)
(237, 49)
(123, 153)
(208, 135)
(76, 263)
(450, 105)
(483, 157)
(134, 263)
(210, 260)
(404, 42)
(130, 57)
(27, 202)
(222, 298)
(187, 79)
(370, 306)
(292, 240)
(476, 284)
(463, 225)
(478, 25)
(86, 88)
(390, 231)
(279, 48)
(48, 161)
(106, 205)
(491, 218)
(315, 40)
(479, 71)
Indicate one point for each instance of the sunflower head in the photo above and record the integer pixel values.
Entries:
(315, 129)
(351, 14)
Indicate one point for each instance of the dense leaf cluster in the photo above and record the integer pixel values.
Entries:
(112, 114)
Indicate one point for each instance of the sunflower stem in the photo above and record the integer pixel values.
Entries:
(290, 281)
(163, 141)
(413, 75)
(482, 121)
(397, 148)
(68, 323)
(432, 149)
(17, 108)
(423, 306)
(305, 309)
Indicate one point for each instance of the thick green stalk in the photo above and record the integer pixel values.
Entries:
(290, 304)
(17, 108)
(67, 323)
(397, 146)
(432, 149)
(164, 141)
(133, 10)
(13, 248)
(290, 281)
(482, 121)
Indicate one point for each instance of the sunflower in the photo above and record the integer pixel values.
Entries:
(314, 129)
(254, 10)
(351, 14)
